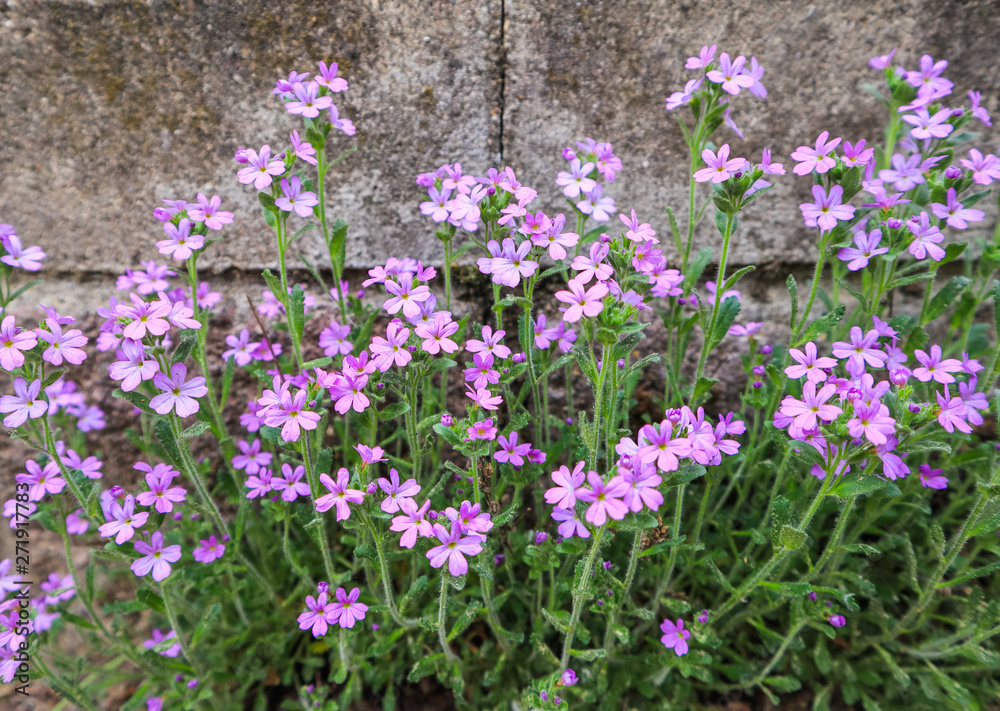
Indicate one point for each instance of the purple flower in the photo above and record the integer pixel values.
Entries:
(809, 364)
(927, 126)
(862, 349)
(956, 215)
(596, 205)
(161, 495)
(291, 415)
(953, 413)
(340, 495)
(818, 158)
(391, 350)
(642, 490)
(703, 59)
(240, 348)
(347, 610)
(12, 341)
(180, 243)
(346, 126)
(412, 522)
(934, 366)
(661, 447)
(259, 483)
(484, 398)
(872, 421)
(260, 169)
(123, 520)
(582, 303)
(470, 519)
(730, 74)
(512, 265)
(294, 199)
(177, 394)
(932, 478)
(251, 459)
(317, 615)
(436, 334)
(568, 486)
(703, 615)
(568, 678)
(881, 62)
(482, 375)
(719, 166)
(483, 429)
(576, 181)
(453, 549)
(27, 258)
(62, 346)
(510, 451)
(492, 343)
(680, 98)
(290, 484)
(395, 492)
(208, 211)
(147, 317)
(812, 407)
(675, 637)
(905, 173)
(827, 208)
(837, 620)
(605, 499)
(926, 238)
(42, 481)
(307, 102)
(209, 550)
(158, 638)
(23, 404)
(328, 77)
(978, 111)
(928, 79)
(156, 558)
(866, 248)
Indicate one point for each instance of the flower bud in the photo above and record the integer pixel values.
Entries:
(604, 238)
(894, 223)
(621, 363)
(812, 595)
(569, 420)
(380, 386)
(241, 155)
(898, 377)
(757, 384)
(447, 420)
(758, 370)
(703, 617)
(766, 350)
(837, 620)
(544, 696)
(372, 488)
(505, 371)
(541, 537)
(161, 214)
(520, 357)
(432, 515)
(411, 349)
(568, 154)
(323, 587)
(192, 684)
(491, 190)
(498, 559)
(953, 172)
(914, 408)
(607, 565)
(117, 492)
(374, 626)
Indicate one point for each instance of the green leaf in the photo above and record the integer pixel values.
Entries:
(948, 295)
(793, 295)
(53, 376)
(685, 474)
(205, 623)
(588, 655)
(971, 575)
(297, 312)
(151, 600)
(701, 388)
(792, 538)
(425, 666)
(822, 324)
(166, 437)
(988, 525)
(697, 266)
(903, 281)
(189, 338)
(77, 620)
(198, 428)
(135, 398)
(637, 522)
(449, 434)
(729, 309)
(731, 281)
(391, 412)
(267, 202)
(275, 286)
(863, 485)
(788, 589)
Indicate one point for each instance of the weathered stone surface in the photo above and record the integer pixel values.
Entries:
(603, 68)
(107, 107)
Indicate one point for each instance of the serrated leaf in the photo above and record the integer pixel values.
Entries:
(391, 412)
(821, 325)
(151, 600)
(198, 428)
(946, 296)
(135, 398)
(791, 538)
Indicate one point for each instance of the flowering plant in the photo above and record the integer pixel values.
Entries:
(411, 493)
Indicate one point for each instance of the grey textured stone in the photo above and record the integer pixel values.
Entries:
(603, 69)
(105, 108)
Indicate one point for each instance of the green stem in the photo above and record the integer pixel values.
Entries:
(817, 277)
(720, 281)
(633, 563)
(313, 479)
(579, 593)
(442, 614)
